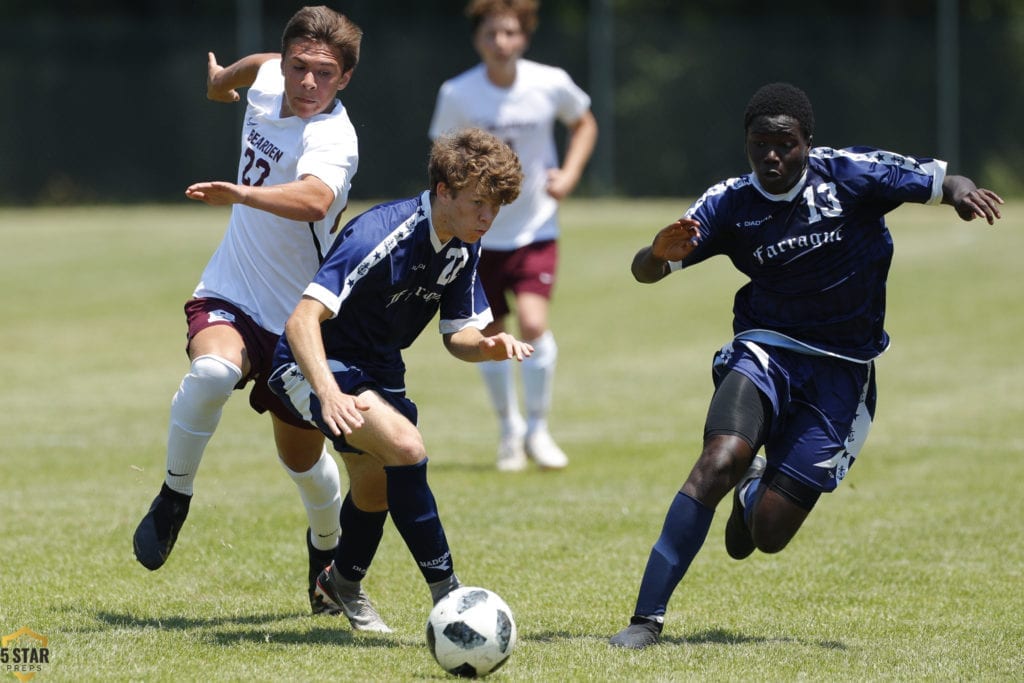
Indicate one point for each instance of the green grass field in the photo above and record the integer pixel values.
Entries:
(913, 570)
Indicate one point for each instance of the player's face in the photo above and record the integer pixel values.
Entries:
(777, 151)
(463, 214)
(312, 78)
(500, 40)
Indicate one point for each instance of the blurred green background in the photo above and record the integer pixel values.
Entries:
(104, 100)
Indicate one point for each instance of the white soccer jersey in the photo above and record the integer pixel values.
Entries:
(523, 116)
(265, 261)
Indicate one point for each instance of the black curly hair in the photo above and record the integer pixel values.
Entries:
(776, 99)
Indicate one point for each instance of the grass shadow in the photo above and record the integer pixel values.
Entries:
(706, 637)
(256, 628)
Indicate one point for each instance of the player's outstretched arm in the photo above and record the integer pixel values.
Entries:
(222, 82)
(341, 412)
(470, 345)
(969, 200)
(672, 243)
(306, 199)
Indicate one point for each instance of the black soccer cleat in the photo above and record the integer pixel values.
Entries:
(738, 541)
(642, 632)
(318, 561)
(155, 536)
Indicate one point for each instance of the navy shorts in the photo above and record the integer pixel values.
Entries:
(291, 386)
(530, 268)
(821, 408)
(259, 346)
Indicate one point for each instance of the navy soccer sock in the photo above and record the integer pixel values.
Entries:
(414, 512)
(682, 535)
(361, 532)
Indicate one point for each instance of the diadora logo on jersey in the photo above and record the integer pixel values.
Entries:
(220, 315)
(443, 562)
(753, 223)
(792, 247)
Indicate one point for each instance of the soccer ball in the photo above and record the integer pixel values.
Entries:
(471, 632)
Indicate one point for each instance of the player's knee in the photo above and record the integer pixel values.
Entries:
(777, 517)
(214, 376)
(406, 448)
(720, 466)
(211, 380)
(771, 540)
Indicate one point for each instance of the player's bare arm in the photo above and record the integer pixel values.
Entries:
(672, 243)
(222, 82)
(969, 200)
(581, 141)
(306, 199)
(472, 346)
(341, 412)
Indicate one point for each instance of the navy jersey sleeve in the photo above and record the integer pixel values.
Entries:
(712, 213)
(868, 174)
(464, 303)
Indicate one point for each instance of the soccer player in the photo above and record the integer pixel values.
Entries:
(299, 154)
(807, 228)
(520, 101)
(339, 364)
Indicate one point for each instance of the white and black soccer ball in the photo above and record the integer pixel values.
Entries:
(471, 632)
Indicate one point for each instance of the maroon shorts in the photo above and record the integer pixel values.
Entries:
(259, 347)
(530, 268)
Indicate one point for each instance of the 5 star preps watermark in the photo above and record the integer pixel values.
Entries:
(24, 653)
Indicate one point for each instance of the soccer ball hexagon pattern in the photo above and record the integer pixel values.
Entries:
(471, 632)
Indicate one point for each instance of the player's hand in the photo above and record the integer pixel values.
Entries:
(213, 90)
(503, 346)
(342, 413)
(216, 193)
(675, 242)
(978, 203)
(560, 184)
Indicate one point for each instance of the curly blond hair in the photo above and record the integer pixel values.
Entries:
(459, 157)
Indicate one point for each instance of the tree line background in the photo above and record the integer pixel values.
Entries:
(104, 101)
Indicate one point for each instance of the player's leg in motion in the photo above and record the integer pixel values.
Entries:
(682, 535)
(304, 456)
(363, 514)
(734, 429)
(393, 440)
(538, 373)
(501, 387)
(195, 412)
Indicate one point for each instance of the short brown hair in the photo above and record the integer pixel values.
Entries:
(525, 10)
(323, 25)
(460, 156)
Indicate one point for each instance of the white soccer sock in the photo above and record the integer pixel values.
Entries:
(195, 412)
(501, 387)
(320, 489)
(538, 380)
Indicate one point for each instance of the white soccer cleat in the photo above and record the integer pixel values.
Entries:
(511, 454)
(543, 450)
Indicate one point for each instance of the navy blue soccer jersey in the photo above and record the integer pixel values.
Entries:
(385, 278)
(818, 256)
